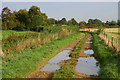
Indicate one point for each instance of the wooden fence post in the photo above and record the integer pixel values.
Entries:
(39, 37)
(119, 46)
(112, 43)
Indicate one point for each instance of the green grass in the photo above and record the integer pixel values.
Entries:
(18, 65)
(115, 33)
(107, 58)
(66, 71)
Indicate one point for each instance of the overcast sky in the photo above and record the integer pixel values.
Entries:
(81, 11)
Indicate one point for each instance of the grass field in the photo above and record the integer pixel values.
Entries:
(19, 64)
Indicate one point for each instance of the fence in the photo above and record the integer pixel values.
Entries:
(112, 40)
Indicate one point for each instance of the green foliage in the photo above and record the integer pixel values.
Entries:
(63, 21)
(51, 21)
(108, 60)
(36, 21)
(82, 24)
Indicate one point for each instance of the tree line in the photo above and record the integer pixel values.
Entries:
(35, 20)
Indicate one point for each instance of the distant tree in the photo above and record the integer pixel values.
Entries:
(112, 23)
(44, 18)
(90, 22)
(36, 21)
(97, 22)
(51, 21)
(82, 24)
(23, 17)
(118, 22)
(94, 23)
(5, 13)
(63, 21)
(69, 22)
(34, 10)
(74, 22)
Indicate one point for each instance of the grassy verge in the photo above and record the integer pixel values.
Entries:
(108, 60)
(67, 70)
(18, 65)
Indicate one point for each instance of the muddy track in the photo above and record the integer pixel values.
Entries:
(46, 74)
(85, 47)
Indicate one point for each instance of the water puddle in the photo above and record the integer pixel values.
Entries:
(89, 52)
(87, 65)
(50, 67)
(53, 63)
(88, 42)
(90, 38)
(68, 48)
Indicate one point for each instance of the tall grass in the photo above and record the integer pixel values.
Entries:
(20, 64)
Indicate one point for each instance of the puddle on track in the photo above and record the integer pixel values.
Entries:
(90, 38)
(50, 67)
(89, 52)
(87, 65)
(53, 63)
(68, 48)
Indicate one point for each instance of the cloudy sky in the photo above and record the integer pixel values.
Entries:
(81, 11)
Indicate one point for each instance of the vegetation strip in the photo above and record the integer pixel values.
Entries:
(20, 64)
(68, 69)
(108, 59)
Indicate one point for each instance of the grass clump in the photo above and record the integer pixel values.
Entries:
(66, 71)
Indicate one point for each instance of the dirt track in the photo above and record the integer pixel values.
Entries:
(41, 74)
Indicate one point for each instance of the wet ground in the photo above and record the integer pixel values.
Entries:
(53, 63)
(87, 65)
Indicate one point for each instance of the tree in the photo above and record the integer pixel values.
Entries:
(36, 21)
(118, 22)
(82, 24)
(63, 21)
(112, 23)
(74, 22)
(23, 17)
(34, 10)
(44, 19)
(5, 13)
(51, 21)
